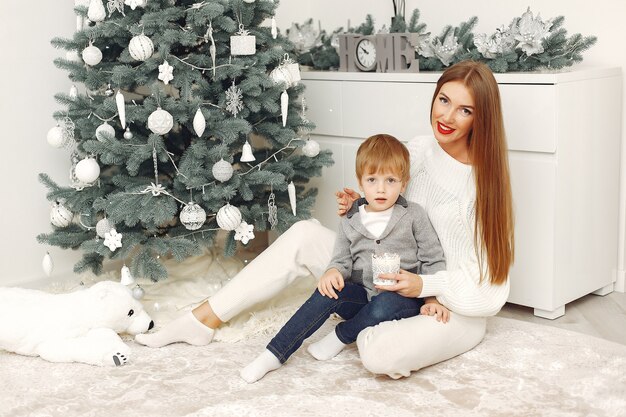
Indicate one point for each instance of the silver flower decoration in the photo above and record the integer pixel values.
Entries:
(530, 32)
(445, 51)
(499, 43)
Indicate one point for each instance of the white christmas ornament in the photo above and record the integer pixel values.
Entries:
(87, 170)
(311, 148)
(92, 55)
(103, 227)
(160, 121)
(291, 190)
(56, 137)
(228, 217)
(113, 240)
(249, 1)
(128, 134)
(96, 11)
(166, 72)
(244, 232)
(47, 264)
(192, 216)
(274, 30)
(135, 3)
(73, 94)
(234, 99)
(140, 47)
(105, 131)
(121, 108)
(199, 123)
(60, 216)
(126, 276)
(284, 106)
(138, 292)
(242, 43)
(281, 74)
(222, 170)
(246, 153)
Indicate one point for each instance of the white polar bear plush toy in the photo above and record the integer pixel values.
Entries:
(81, 326)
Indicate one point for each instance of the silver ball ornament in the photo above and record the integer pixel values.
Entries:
(92, 55)
(104, 131)
(192, 216)
(128, 134)
(103, 226)
(60, 216)
(160, 121)
(138, 292)
(228, 217)
(311, 148)
(222, 170)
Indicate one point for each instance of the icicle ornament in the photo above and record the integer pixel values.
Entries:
(284, 106)
(121, 108)
(47, 265)
(291, 190)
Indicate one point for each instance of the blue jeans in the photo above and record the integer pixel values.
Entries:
(352, 305)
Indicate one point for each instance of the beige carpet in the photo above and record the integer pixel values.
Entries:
(520, 369)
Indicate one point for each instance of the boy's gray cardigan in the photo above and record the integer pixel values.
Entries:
(409, 233)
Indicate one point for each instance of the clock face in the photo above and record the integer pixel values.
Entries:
(366, 55)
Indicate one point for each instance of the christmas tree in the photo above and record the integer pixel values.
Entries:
(191, 121)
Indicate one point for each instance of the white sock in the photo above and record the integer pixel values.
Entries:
(326, 348)
(186, 329)
(257, 369)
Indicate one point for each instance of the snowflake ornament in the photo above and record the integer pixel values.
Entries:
(113, 240)
(166, 72)
(530, 32)
(234, 96)
(244, 232)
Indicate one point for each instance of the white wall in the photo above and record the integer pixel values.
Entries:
(29, 80)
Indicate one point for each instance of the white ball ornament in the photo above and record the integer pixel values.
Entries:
(228, 217)
(138, 292)
(56, 137)
(141, 47)
(87, 170)
(222, 170)
(60, 216)
(128, 134)
(192, 216)
(104, 131)
(160, 122)
(92, 55)
(103, 226)
(311, 148)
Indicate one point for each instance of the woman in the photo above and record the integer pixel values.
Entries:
(461, 178)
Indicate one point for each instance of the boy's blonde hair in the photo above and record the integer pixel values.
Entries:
(383, 153)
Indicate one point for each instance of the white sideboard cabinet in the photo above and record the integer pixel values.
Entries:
(563, 131)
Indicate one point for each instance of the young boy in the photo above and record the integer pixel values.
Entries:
(382, 222)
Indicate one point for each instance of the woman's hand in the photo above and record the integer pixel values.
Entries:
(345, 199)
(440, 312)
(408, 285)
(329, 282)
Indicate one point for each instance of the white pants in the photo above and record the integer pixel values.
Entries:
(394, 348)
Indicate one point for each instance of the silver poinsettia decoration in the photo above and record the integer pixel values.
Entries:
(530, 33)
(499, 43)
(446, 50)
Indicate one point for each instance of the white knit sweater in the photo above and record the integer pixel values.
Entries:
(446, 189)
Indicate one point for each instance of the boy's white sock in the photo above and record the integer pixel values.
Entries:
(326, 348)
(257, 369)
(186, 329)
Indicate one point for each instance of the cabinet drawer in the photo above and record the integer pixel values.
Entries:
(530, 117)
(399, 109)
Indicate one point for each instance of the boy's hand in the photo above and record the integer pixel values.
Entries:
(440, 312)
(329, 282)
(345, 199)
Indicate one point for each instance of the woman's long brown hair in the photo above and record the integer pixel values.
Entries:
(494, 224)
